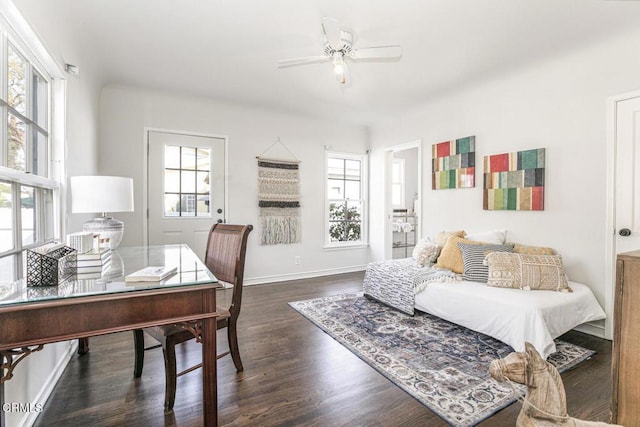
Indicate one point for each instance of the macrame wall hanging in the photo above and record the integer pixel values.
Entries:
(279, 198)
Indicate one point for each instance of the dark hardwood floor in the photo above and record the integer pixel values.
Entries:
(294, 375)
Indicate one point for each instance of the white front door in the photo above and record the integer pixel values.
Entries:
(627, 221)
(185, 188)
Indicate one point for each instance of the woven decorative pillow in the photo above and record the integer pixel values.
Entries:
(528, 272)
(425, 252)
(450, 255)
(532, 250)
(473, 257)
(441, 237)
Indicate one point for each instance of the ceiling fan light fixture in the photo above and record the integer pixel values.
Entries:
(338, 63)
(337, 47)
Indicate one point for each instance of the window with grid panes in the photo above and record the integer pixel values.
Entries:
(186, 181)
(346, 190)
(27, 192)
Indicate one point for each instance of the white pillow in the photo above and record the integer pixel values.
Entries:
(425, 252)
(497, 237)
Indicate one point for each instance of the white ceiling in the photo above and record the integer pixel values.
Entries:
(227, 49)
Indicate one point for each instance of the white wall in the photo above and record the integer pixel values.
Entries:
(559, 104)
(126, 111)
(35, 377)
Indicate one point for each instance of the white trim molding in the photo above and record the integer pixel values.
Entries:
(304, 275)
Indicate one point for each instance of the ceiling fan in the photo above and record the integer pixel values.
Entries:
(338, 48)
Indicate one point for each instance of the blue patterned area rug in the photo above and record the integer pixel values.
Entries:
(442, 365)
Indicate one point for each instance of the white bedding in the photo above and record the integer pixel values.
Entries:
(511, 315)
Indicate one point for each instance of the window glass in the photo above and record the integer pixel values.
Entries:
(188, 158)
(172, 205)
(7, 273)
(203, 205)
(397, 183)
(47, 206)
(188, 205)
(202, 184)
(352, 169)
(40, 154)
(16, 138)
(352, 190)
(204, 159)
(396, 195)
(171, 181)
(186, 181)
(16, 81)
(6, 217)
(172, 157)
(336, 188)
(28, 217)
(336, 168)
(40, 88)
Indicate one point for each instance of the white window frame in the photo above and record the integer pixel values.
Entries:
(401, 183)
(16, 31)
(364, 192)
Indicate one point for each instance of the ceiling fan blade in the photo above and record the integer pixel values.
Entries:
(331, 30)
(302, 60)
(376, 52)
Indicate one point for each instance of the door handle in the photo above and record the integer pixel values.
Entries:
(219, 221)
(624, 232)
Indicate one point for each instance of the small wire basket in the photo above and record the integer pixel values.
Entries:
(50, 267)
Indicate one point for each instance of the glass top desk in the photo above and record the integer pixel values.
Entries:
(33, 316)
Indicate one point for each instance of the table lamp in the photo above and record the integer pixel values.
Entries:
(102, 194)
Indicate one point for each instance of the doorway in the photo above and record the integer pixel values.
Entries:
(623, 202)
(403, 201)
(186, 189)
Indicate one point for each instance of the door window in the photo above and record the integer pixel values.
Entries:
(187, 172)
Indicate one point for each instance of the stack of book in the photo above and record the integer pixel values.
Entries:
(93, 264)
(151, 274)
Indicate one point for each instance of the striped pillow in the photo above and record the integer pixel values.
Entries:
(473, 257)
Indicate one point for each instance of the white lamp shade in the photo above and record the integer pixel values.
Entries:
(93, 194)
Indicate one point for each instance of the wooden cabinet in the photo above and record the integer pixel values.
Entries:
(625, 394)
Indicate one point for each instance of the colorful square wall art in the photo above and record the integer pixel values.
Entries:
(514, 181)
(454, 164)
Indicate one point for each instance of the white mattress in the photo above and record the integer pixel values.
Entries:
(511, 315)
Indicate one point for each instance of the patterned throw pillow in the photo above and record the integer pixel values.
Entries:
(450, 255)
(528, 272)
(532, 250)
(425, 252)
(473, 257)
(441, 237)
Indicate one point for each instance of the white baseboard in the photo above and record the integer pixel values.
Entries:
(596, 330)
(30, 417)
(303, 275)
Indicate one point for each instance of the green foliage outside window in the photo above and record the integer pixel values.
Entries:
(345, 223)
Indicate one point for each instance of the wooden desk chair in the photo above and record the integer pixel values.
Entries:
(225, 256)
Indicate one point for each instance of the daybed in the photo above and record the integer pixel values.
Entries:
(513, 316)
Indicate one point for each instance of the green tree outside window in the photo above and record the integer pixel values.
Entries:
(345, 222)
